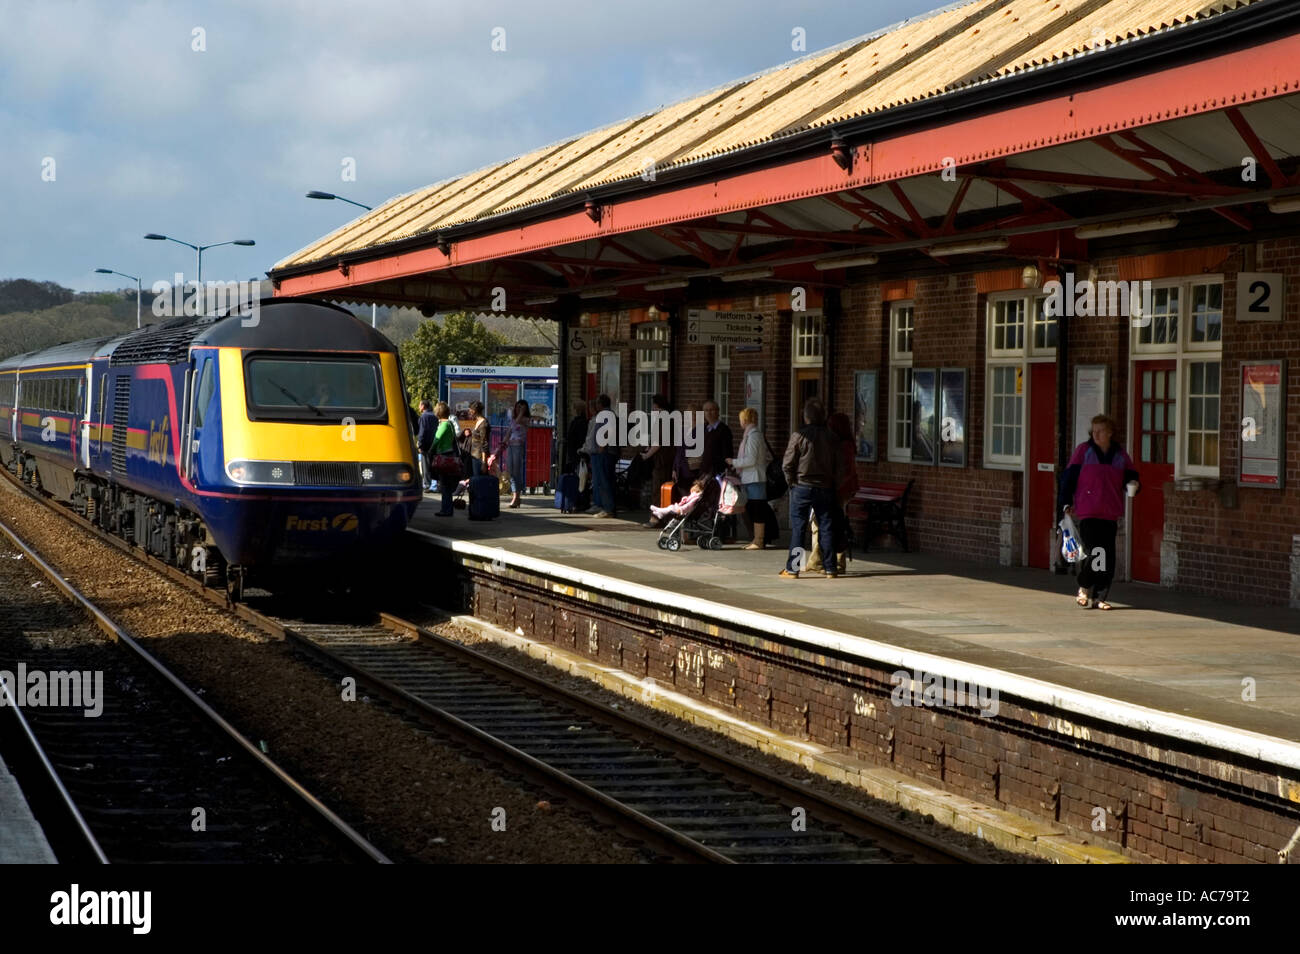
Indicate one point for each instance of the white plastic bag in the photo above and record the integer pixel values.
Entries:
(583, 474)
(1071, 539)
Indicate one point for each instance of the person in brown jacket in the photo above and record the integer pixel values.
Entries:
(812, 468)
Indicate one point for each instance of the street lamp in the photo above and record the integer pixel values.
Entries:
(109, 271)
(154, 236)
(316, 194)
(313, 194)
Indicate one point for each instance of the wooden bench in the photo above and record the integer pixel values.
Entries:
(883, 504)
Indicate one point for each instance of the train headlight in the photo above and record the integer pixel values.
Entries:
(387, 475)
(260, 471)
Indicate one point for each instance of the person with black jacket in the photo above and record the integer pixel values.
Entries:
(719, 444)
(574, 437)
(424, 439)
(812, 469)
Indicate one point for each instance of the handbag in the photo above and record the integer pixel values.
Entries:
(776, 483)
(447, 465)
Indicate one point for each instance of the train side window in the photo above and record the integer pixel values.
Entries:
(204, 393)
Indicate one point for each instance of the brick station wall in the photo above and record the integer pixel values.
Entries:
(960, 511)
(1237, 542)
(1226, 541)
(1160, 802)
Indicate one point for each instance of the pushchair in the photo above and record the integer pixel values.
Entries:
(722, 496)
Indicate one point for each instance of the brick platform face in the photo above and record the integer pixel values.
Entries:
(1158, 802)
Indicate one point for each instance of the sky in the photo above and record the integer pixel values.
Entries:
(210, 121)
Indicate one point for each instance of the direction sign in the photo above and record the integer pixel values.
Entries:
(585, 341)
(707, 327)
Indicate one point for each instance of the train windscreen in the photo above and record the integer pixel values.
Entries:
(305, 388)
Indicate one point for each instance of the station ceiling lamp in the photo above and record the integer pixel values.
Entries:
(1031, 277)
(546, 300)
(1282, 206)
(598, 293)
(969, 248)
(846, 261)
(747, 275)
(666, 283)
(1131, 227)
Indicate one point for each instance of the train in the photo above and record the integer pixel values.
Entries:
(271, 439)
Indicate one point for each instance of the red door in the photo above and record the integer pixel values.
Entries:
(1041, 478)
(1155, 413)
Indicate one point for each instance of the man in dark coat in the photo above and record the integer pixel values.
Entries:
(812, 466)
(424, 437)
(718, 442)
(575, 437)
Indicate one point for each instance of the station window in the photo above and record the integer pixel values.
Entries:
(722, 379)
(808, 339)
(1186, 327)
(651, 364)
(902, 316)
(1020, 332)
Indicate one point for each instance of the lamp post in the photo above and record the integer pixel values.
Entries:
(155, 237)
(109, 271)
(316, 194)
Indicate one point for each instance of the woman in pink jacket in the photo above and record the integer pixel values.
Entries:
(1092, 491)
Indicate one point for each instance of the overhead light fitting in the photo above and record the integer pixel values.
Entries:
(851, 261)
(1031, 277)
(747, 275)
(1282, 206)
(970, 248)
(598, 293)
(666, 283)
(547, 300)
(1131, 227)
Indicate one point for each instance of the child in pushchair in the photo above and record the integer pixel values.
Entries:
(700, 513)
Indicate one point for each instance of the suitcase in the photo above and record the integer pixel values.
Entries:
(566, 494)
(666, 493)
(484, 498)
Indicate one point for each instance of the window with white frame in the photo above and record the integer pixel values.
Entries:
(1187, 326)
(902, 316)
(651, 364)
(1020, 331)
(808, 340)
(722, 378)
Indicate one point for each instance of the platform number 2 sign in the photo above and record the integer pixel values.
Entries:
(1259, 296)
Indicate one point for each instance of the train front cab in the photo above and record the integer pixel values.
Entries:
(299, 456)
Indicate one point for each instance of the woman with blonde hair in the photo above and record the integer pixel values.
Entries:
(751, 463)
(1092, 490)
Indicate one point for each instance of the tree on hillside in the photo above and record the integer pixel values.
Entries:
(460, 338)
(23, 294)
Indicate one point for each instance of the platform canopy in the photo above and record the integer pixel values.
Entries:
(989, 134)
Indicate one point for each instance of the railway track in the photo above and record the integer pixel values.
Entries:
(699, 804)
(684, 800)
(156, 775)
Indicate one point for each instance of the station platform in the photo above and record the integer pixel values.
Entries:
(1170, 686)
(1176, 653)
(22, 842)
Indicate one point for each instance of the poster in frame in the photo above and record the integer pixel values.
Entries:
(952, 417)
(865, 423)
(754, 394)
(1262, 461)
(925, 430)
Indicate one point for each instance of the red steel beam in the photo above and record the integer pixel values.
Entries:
(1218, 83)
